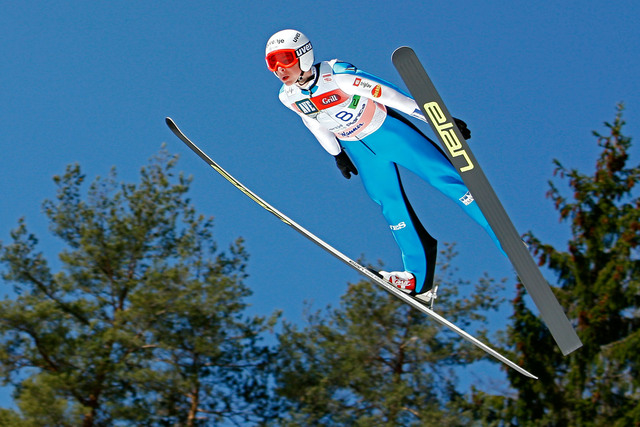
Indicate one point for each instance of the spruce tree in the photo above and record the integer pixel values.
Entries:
(598, 277)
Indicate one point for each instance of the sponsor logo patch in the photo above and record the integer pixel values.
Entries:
(329, 99)
(403, 283)
(354, 102)
(376, 91)
(306, 106)
(302, 50)
(399, 226)
(467, 199)
(351, 131)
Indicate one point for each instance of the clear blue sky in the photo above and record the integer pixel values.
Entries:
(91, 82)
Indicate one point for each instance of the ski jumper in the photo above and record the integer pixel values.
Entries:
(346, 108)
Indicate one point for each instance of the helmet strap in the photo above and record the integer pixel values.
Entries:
(302, 82)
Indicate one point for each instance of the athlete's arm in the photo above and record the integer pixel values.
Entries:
(332, 146)
(326, 138)
(357, 82)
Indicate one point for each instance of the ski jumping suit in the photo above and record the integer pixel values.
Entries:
(346, 108)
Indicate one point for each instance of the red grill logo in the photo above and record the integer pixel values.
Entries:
(330, 99)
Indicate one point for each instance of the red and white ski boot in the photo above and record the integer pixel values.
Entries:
(400, 279)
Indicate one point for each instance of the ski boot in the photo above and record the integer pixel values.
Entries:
(402, 280)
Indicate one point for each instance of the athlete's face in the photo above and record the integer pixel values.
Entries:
(289, 75)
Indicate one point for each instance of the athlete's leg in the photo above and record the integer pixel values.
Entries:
(382, 183)
(409, 148)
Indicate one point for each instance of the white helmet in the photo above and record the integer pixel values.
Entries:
(287, 47)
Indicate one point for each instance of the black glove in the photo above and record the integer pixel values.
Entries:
(464, 130)
(344, 164)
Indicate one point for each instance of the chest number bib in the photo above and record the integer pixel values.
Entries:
(344, 116)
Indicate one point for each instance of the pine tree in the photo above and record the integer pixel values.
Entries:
(376, 361)
(143, 322)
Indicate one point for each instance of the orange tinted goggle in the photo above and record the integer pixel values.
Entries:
(284, 58)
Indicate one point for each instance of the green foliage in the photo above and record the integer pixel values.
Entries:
(142, 324)
(376, 361)
(599, 284)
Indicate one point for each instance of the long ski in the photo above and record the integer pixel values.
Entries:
(424, 92)
(333, 251)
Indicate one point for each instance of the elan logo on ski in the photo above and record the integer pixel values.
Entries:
(424, 92)
(448, 135)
